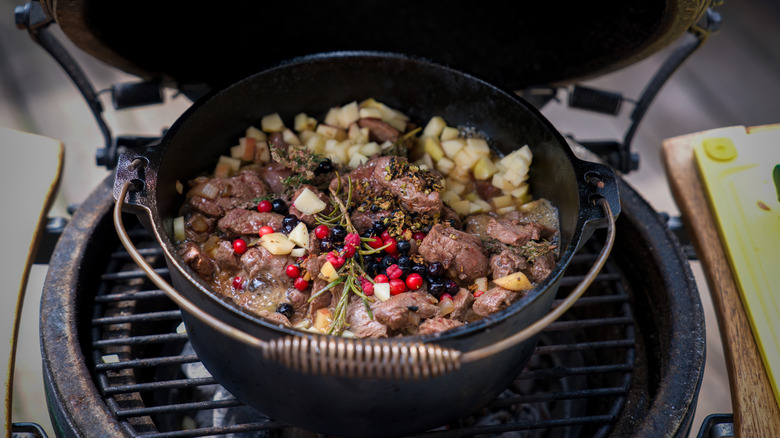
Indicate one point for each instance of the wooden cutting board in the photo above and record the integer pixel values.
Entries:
(30, 171)
(756, 410)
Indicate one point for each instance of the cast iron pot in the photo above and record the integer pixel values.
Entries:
(351, 387)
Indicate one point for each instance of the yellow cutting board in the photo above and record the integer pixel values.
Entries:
(736, 169)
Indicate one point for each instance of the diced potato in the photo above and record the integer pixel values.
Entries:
(289, 136)
(349, 114)
(503, 201)
(478, 146)
(322, 319)
(178, 229)
(463, 207)
(433, 148)
(328, 272)
(382, 291)
(514, 282)
(300, 235)
(449, 197)
(272, 123)
(357, 159)
(449, 133)
(303, 122)
(452, 147)
(256, 133)
(308, 202)
(277, 243)
(331, 131)
(445, 165)
(434, 127)
(484, 168)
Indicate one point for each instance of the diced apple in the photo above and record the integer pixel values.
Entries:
(322, 319)
(434, 127)
(178, 229)
(316, 143)
(370, 113)
(503, 201)
(370, 149)
(249, 144)
(300, 235)
(357, 159)
(357, 134)
(277, 243)
(426, 161)
(505, 210)
(256, 133)
(452, 147)
(298, 252)
(498, 180)
(460, 174)
(449, 197)
(484, 168)
(433, 147)
(478, 146)
(308, 202)
(227, 166)
(521, 191)
(290, 137)
(449, 133)
(303, 122)
(331, 131)
(328, 272)
(262, 153)
(479, 205)
(445, 165)
(481, 283)
(462, 207)
(332, 117)
(514, 282)
(272, 123)
(465, 159)
(526, 154)
(382, 291)
(349, 114)
(471, 196)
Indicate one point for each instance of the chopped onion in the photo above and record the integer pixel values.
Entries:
(199, 224)
(208, 191)
(446, 306)
(178, 229)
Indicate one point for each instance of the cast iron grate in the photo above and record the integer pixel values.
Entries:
(575, 385)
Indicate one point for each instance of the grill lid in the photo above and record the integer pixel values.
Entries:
(514, 44)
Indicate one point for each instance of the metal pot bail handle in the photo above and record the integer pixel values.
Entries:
(366, 358)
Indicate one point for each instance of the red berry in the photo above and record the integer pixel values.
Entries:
(397, 286)
(381, 279)
(352, 239)
(238, 283)
(348, 251)
(414, 281)
(301, 284)
(264, 206)
(478, 293)
(239, 246)
(265, 230)
(375, 242)
(445, 296)
(418, 236)
(322, 231)
(335, 259)
(391, 245)
(385, 235)
(393, 272)
(368, 288)
(292, 271)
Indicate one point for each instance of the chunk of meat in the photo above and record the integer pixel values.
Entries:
(416, 189)
(437, 324)
(273, 174)
(360, 321)
(515, 233)
(363, 172)
(542, 266)
(379, 130)
(462, 301)
(226, 258)
(507, 262)
(405, 310)
(208, 207)
(364, 220)
(196, 259)
(448, 216)
(238, 191)
(199, 227)
(459, 252)
(313, 265)
(494, 300)
(476, 224)
(240, 222)
(259, 263)
(275, 317)
(486, 189)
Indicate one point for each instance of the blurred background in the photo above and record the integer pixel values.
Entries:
(731, 81)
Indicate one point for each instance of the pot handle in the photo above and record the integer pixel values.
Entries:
(369, 358)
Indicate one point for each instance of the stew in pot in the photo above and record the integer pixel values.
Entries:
(366, 225)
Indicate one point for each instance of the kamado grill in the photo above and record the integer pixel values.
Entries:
(626, 360)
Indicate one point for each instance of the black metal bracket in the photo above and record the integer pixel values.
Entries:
(34, 19)
(618, 153)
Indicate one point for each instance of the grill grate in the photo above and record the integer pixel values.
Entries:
(575, 384)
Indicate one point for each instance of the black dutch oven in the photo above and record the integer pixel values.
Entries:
(358, 387)
(362, 387)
